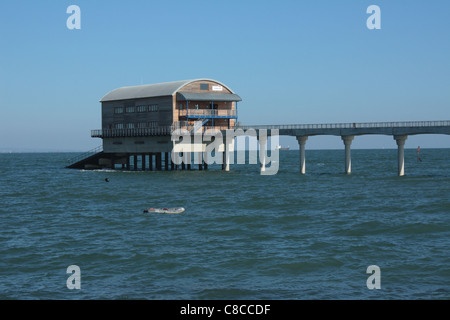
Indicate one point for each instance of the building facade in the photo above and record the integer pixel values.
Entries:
(138, 121)
(141, 118)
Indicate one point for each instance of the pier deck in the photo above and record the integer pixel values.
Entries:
(399, 130)
(354, 129)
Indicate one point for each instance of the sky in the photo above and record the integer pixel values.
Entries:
(291, 62)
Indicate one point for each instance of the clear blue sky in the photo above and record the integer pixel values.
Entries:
(311, 61)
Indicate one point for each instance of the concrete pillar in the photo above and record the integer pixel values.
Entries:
(166, 161)
(113, 165)
(262, 153)
(302, 142)
(401, 153)
(223, 160)
(200, 160)
(158, 161)
(227, 156)
(183, 162)
(188, 160)
(144, 166)
(150, 161)
(348, 158)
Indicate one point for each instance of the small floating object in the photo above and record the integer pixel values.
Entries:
(164, 210)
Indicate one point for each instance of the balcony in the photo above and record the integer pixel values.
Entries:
(208, 113)
(197, 128)
(136, 132)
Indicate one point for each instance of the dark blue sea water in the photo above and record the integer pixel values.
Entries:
(242, 236)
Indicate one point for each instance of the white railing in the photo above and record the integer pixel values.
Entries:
(167, 130)
(208, 112)
(404, 124)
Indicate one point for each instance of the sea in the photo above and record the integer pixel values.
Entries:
(325, 235)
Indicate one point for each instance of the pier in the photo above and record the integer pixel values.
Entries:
(141, 126)
(348, 131)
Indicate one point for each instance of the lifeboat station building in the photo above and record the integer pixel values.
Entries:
(137, 122)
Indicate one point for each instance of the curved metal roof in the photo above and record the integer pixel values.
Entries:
(207, 96)
(151, 90)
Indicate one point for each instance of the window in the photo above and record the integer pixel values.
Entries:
(204, 86)
(153, 108)
(153, 124)
(130, 109)
(118, 110)
(141, 108)
(130, 125)
(118, 126)
(142, 125)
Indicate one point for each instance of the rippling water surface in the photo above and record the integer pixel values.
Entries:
(242, 236)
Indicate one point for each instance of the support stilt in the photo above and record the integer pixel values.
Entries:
(401, 153)
(348, 158)
(200, 160)
(262, 152)
(144, 165)
(158, 161)
(183, 163)
(302, 142)
(227, 157)
(113, 164)
(166, 161)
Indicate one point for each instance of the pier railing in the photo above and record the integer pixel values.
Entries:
(402, 124)
(167, 130)
(135, 132)
(86, 154)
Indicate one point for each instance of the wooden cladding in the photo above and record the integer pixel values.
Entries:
(198, 85)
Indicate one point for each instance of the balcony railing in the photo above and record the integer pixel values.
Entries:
(156, 131)
(208, 113)
(197, 130)
(185, 125)
(136, 132)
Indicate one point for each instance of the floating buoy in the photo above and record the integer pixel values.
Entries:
(164, 210)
